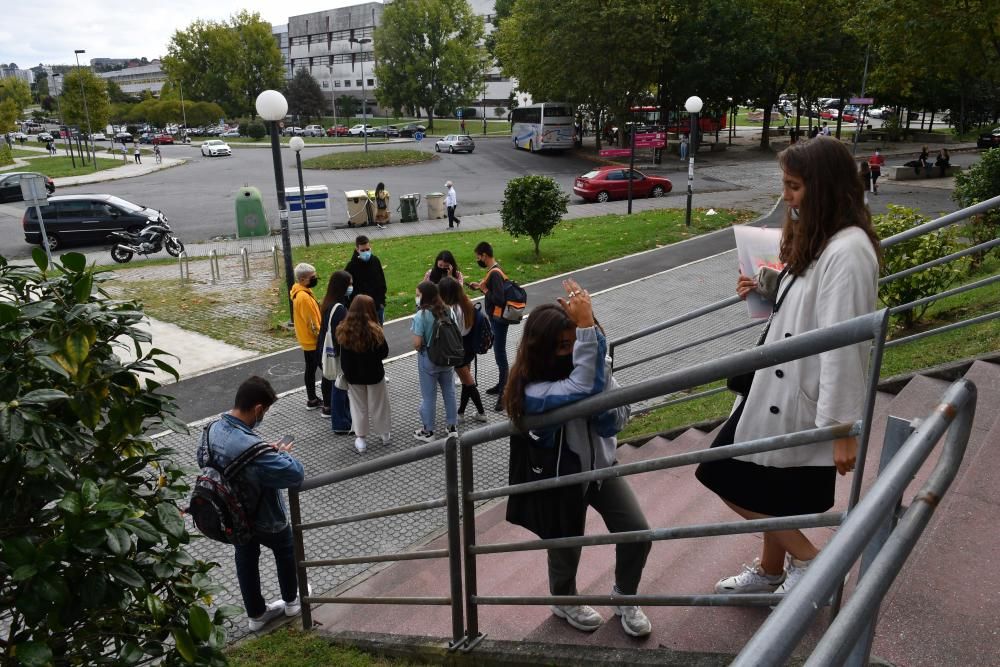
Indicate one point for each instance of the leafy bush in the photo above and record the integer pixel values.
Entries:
(532, 206)
(256, 130)
(93, 564)
(6, 156)
(910, 253)
(979, 183)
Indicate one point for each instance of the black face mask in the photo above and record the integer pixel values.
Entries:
(563, 366)
(481, 263)
(313, 282)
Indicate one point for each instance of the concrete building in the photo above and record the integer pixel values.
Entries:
(321, 44)
(280, 33)
(136, 80)
(12, 71)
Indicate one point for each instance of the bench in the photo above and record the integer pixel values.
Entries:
(901, 173)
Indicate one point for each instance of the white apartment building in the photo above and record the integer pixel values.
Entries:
(135, 80)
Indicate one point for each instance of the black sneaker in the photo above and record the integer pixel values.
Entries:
(499, 406)
(325, 411)
(493, 391)
(313, 403)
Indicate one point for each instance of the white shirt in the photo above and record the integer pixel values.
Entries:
(451, 199)
(824, 389)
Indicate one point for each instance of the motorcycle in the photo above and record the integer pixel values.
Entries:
(154, 237)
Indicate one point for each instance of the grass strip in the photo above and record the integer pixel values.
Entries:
(289, 647)
(367, 159)
(56, 167)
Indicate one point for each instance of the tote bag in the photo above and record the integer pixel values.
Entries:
(331, 362)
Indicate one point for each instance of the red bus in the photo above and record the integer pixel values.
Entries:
(680, 121)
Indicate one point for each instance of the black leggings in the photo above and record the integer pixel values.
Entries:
(312, 365)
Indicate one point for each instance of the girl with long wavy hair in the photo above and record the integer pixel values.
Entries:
(362, 349)
(333, 310)
(430, 307)
(562, 358)
(465, 314)
(831, 254)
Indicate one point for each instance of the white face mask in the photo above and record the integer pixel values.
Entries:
(793, 213)
(417, 299)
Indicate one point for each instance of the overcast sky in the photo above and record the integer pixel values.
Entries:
(48, 31)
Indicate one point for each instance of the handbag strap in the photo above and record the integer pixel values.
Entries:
(329, 322)
(777, 303)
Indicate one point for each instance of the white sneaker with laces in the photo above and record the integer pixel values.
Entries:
(480, 417)
(579, 616)
(271, 612)
(634, 621)
(360, 445)
(751, 580)
(423, 436)
(295, 606)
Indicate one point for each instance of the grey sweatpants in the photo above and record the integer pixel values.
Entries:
(618, 506)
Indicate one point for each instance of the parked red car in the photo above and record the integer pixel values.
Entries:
(336, 131)
(609, 183)
(162, 139)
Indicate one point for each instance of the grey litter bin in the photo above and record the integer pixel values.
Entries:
(408, 205)
(435, 205)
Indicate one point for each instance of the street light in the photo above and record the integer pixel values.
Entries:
(297, 144)
(180, 87)
(732, 121)
(364, 94)
(86, 111)
(272, 107)
(693, 106)
(61, 124)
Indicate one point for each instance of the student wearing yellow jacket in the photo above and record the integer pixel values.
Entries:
(305, 317)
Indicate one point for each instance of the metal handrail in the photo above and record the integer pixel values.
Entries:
(784, 628)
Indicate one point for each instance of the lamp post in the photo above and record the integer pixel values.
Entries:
(272, 107)
(297, 144)
(333, 100)
(180, 87)
(61, 124)
(86, 110)
(693, 106)
(732, 117)
(364, 94)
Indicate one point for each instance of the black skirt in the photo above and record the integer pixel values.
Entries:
(766, 489)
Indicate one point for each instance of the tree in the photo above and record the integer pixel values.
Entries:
(116, 94)
(229, 63)
(305, 98)
(41, 86)
(71, 101)
(203, 113)
(979, 183)
(347, 105)
(427, 55)
(94, 566)
(17, 92)
(532, 206)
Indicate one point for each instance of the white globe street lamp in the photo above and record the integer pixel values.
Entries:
(272, 107)
(693, 106)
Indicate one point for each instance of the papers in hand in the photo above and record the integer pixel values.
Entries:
(757, 247)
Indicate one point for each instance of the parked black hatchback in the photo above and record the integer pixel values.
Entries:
(83, 219)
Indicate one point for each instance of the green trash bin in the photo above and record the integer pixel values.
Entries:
(408, 205)
(250, 218)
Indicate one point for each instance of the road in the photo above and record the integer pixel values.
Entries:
(198, 197)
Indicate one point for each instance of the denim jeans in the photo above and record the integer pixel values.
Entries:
(433, 376)
(248, 569)
(380, 311)
(500, 326)
(340, 409)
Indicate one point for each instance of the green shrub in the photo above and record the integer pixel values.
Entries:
(979, 183)
(6, 156)
(256, 130)
(93, 564)
(532, 206)
(910, 253)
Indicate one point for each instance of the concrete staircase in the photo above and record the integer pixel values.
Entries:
(942, 609)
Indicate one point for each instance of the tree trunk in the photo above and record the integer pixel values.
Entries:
(765, 128)
(537, 240)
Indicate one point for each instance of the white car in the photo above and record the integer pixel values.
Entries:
(313, 131)
(360, 129)
(231, 133)
(214, 147)
(98, 136)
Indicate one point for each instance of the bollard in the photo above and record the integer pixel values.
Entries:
(184, 262)
(213, 265)
(245, 262)
(274, 257)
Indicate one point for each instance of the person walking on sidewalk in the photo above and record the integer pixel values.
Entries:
(362, 349)
(137, 154)
(306, 319)
(562, 359)
(367, 275)
(831, 254)
(465, 314)
(683, 147)
(158, 157)
(430, 308)
(492, 287)
(333, 310)
(222, 442)
(451, 202)
(875, 162)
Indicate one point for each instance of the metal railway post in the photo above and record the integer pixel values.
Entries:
(300, 556)
(454, 541)
(472, 634)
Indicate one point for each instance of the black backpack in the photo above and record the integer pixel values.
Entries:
(482, 332)
(223, 504)
(445, 347)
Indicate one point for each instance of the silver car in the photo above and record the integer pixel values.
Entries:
(455, 143)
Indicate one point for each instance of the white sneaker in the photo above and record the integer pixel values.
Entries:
(580, 616)
(423, 436)
(271, 612)
(634, 621)
(795, 569)
(386, 438)
(480, 417)
(750, 580)
(360, 445)
(295, 606)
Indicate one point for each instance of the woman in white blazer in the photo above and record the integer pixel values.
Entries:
(831, 254)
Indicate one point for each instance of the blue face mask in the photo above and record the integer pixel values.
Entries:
(350, 290)
(365, 255)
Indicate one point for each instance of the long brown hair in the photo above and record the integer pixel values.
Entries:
(452, 293)
(536, 355)
(336, 289)
(360, 330)
(430, 299)
(834, 199)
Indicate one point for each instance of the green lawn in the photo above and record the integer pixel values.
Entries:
(55, 167)
(288, 647)
(366, 159)
(925, 353)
